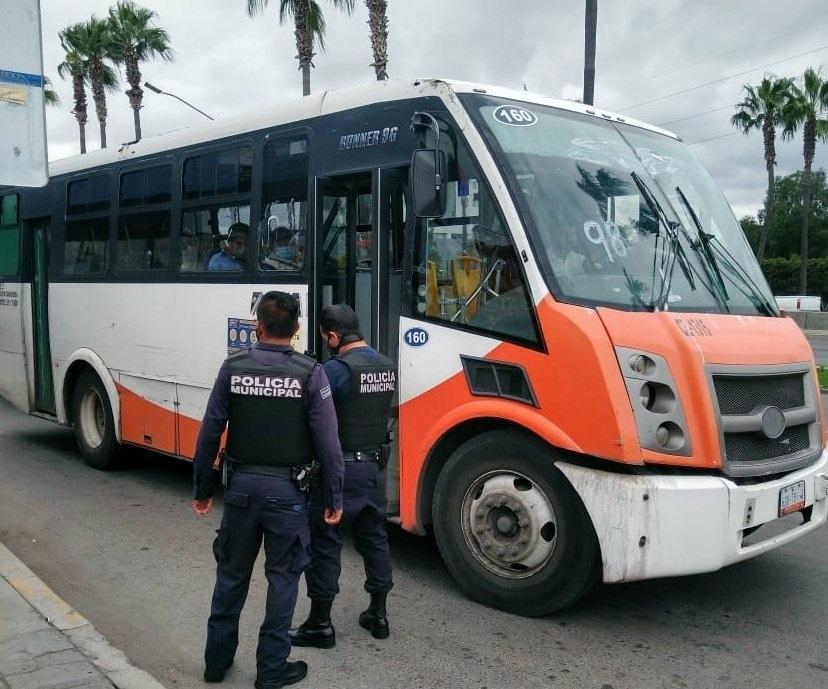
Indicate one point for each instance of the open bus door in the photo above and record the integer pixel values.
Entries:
(361, 223)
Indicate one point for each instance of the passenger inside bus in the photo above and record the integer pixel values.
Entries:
(232, 256)
(284, 251)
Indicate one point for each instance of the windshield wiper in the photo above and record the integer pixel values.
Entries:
(672, 247)
(704, 244)
(711, 242)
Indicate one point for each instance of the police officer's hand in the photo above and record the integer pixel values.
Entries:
(202, 506)
(332, 517)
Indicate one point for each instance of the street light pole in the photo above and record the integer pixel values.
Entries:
(167, 93)
(590, 27)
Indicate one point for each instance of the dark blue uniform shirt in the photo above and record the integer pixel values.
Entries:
(339, 374)
(321, 419)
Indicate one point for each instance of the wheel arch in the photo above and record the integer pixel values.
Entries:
(86, 360)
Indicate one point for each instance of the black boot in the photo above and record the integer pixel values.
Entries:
(293, 672)
(317, 630)
(374, 619)
(215, 674)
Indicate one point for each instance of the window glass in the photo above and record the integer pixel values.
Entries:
(143, 187)
(284, 206)
(86, 246)
(215, 239)
(217, 173)
(89, 195)
(9, 235)
(143, 241)
(466, 268)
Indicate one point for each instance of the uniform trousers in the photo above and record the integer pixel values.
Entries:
(364, 505)
(258, 508)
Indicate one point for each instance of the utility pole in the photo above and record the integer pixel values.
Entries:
(590, 27)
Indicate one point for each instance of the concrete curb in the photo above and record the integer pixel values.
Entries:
(80, 631)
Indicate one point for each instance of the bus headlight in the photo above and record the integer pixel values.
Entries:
(659, 416)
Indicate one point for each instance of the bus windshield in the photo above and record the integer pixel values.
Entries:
(621, 216)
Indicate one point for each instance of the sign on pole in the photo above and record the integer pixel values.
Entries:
(22, 116)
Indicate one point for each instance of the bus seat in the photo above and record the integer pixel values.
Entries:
(466, 272)
(432, 290)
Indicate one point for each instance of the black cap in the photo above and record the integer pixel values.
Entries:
(341, 319)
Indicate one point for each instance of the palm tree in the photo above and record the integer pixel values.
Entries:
(135, 40)
(74, 66)
(92, 42)
(309, 27)
(50, 96)
(378, 23)
(762, 109)
(807, 107)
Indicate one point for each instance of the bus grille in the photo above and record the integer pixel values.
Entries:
(748, 443)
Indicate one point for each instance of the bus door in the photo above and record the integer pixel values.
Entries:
(361, 220)
(38, 230)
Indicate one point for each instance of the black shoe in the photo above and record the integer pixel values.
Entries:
(378, 626)
(215, 674)
(315, 633)
(293, 672)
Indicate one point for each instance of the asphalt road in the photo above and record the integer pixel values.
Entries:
(125, 549)
(819, 343)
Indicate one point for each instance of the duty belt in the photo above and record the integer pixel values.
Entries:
(270, 470)
(375, 455)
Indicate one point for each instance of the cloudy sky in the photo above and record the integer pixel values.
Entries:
(227, 63)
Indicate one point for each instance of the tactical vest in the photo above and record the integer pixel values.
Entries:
(363, 412)
(268, 423)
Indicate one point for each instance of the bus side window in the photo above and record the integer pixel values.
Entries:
(467, 271)
(144, 219)
(215, 223)
(86, 241)
(282, 226)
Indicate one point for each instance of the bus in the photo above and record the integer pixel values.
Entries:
(595, 383)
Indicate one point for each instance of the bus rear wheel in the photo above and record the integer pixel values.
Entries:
(93, 422)
(510, 527)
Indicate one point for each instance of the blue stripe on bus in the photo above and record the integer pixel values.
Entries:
(9, 77)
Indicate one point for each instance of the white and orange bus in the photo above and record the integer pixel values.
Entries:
(595, 382)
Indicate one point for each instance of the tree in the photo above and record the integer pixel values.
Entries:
(92, 41)
(309, 27)
(807, 107)
(378, 23)
(50, 96)
(761, 108)
(135, 40)
(74, 67)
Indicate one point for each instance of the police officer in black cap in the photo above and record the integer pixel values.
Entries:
(363, 383)
(278, 408)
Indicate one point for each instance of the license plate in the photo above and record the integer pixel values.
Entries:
(792, 498)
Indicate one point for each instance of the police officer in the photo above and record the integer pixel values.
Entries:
(280, 415)
(363, 382)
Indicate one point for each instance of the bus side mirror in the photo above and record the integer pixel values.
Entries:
(428, 187)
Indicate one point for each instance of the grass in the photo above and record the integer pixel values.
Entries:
(822, 372)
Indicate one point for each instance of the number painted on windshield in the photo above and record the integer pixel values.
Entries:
(606, 235)
(514, 115)
(415, 337)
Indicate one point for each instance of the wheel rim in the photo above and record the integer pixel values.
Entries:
(92, 419)
(509, 524)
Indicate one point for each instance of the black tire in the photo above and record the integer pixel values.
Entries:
(510, 466)
(93, 422)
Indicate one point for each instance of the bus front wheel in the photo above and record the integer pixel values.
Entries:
(510, 527)
(93, 422)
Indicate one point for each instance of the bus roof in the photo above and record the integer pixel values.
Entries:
(323, 103)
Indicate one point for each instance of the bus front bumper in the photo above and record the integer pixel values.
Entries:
(660, 526)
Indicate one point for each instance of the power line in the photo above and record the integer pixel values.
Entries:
(690, 117)
(712, 138)
(718, 81)
(718, 55)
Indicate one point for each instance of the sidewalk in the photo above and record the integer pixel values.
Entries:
(45, 644)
